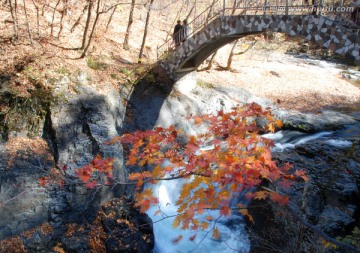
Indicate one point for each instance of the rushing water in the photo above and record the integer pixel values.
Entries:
(232, 230)
(291, 139)
(234, 237)
(233, 234)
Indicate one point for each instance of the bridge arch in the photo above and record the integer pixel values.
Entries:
(224, 29)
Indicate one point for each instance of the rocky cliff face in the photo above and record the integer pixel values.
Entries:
(330, 200)
(75, 130)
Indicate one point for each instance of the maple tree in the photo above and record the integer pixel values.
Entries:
(229, 158)
(217, 164)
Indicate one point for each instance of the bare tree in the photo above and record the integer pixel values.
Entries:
(85, 44)
(126, 39)
(145, 31)
(43, 7)
(110, 18)
(207, 19)
(189, 14)
(93, 29)
(211, 10)
(232, 53)
(87, 23)
(63, 13)
(13, 15)
(53, 17)
(210, 63)
(229, 61)
(79, 18)
(28, 23)
(37, 17)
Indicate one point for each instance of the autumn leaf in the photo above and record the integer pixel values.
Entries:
(271, 127)
(259, 195)
(131, 161)
(135, 176)
(301, 173)
(198, 120)
(192, 238)
(246, 213)
(238, 159)
(278, 198)
(91, 184)
(225, 210)
(209, 218)
(58, 249)
(328, 245)
(286, 184)
(84, 175)
(177, 240)
(43, 181)
(216, 233)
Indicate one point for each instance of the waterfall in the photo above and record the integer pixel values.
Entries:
(233, 237)
(291, 139)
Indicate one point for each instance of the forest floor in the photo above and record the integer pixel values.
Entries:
(265, 70)
(292, 82)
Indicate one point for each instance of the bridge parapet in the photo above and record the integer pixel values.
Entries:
(339, 11)
(224, 29)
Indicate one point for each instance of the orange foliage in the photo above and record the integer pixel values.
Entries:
(12, 245)
(217, 165)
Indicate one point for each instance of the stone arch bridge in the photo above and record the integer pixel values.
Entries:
(222, 30)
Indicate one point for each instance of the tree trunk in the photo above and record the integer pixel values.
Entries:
(191, 10)
(87, 24)
(63, 13)
(210, 11)
(145, 31)
(15, 8)
(173, 24)
(43, 9)
(53, 17)
(28, 24)
(229, 61)
(126, 40)
(234, 8)
(209, 66)
(15, 26)
(79, 18)
(93, 29)
(37, 17)
(110, 19)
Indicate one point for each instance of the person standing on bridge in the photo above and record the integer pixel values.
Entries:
(186, 31)
(177, 35)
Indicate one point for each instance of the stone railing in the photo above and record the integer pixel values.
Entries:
(340, 14)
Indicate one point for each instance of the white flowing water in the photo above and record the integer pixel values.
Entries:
(233, 237)
(291, 139)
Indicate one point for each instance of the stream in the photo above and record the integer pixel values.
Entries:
(234, 237)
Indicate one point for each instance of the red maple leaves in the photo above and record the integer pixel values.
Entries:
(90, 172)
(217, 165)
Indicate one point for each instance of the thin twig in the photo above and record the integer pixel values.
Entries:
(322, 234)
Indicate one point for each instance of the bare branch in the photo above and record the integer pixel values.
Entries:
(11, 199)
(321, 233)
